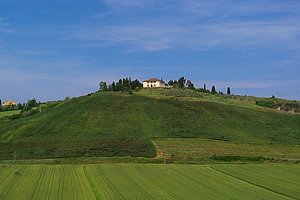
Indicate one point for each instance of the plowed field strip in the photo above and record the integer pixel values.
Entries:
(262, 187)
(149, 181)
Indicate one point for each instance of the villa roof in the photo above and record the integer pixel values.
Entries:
(9, 102)
(154, 80)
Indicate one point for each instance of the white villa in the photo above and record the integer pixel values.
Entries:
(153, 82)
(9, 103)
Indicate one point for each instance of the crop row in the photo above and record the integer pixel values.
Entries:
(148, 181)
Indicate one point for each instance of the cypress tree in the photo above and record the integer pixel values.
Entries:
(213, 90)
(113, 86)
(228, 91)
(181, 82)
(190, 85)
(120, 85)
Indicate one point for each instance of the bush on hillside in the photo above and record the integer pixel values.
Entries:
(137, 89)
(267, 104)
(239, 158)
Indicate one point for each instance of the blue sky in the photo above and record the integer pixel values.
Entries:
(50, 49)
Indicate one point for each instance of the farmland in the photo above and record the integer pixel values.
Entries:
(198, 150)
(107, 145)
(148, 181)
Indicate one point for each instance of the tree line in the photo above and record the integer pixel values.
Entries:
(182, 82)
(126, 84)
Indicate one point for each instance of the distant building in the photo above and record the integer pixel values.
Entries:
(153, 83)
(9, 103)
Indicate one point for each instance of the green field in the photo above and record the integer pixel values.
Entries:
(198, 150)
(9, 113)
(110, 124)
(140, 181)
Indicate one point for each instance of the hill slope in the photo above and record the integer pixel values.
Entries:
(119, 124)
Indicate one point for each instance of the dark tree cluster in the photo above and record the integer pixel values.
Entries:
(31, 103)
(182, 82)
(124, 85)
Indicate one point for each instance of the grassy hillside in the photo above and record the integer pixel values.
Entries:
(120, 124)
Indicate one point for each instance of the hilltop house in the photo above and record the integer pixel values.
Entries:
(9, 103)
(153, 82)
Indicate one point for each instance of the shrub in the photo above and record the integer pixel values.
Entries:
(14, 116)
(238, 158)
(137, 89)
(267, 104)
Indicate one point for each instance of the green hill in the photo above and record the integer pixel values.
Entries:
(120, 124)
